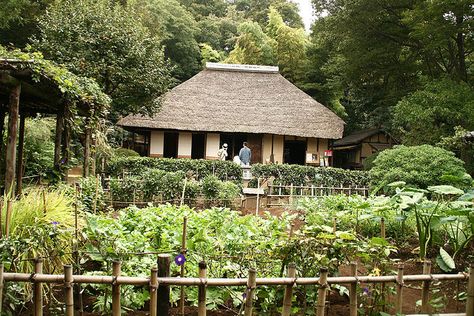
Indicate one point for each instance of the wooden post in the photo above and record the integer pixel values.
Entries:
(322, 291)
(382, 227)
(163, 290)
(334, 225)
(425, 292)
(183, 252)
(251, 285)
(286, 311)
(8, 216)
(399, 297)
(87, 151)
(470, 293)
(202, 290)
(153, 291)
(19, 159)
(69, 294)
(1, 287)
(1, 223)
(10, 160)
(58, 137)
(291, 195)
(38, 289)
(353, 292)
(116, 307)
(258, 196)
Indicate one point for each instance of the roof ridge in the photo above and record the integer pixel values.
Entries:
(242, 67)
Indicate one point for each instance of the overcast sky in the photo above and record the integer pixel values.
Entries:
(306, 12)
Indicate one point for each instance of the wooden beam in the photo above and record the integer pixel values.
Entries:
(11, 141)
(20, 164)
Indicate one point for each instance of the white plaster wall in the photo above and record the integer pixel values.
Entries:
(212, 145)
(184, 145)
(156, 143)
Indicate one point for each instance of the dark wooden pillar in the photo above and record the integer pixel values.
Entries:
(10, 160)
(87, 151)
(66, 141)
(19, 165)
(2, 146)
(58, 140)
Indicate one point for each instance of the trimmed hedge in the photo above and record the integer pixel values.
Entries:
(200, 168)
(303, 175)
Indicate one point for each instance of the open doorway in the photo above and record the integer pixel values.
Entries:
(294, 152)
(234, 142)
(170, 144)
(198, 146)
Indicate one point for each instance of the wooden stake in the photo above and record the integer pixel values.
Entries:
(322, 291)
(163, 290)
(353, 292)
(258, 197)
(251, 285)
(116, 306)
(286, 311)
(153, 291)
(10, 158)
(334, 225)
(425, 292)
(291, 195)
(470, 293)
(19, 159)
(69, 294)
(399, 297)
(38, 289)
(1, 216)
(202, 290)
(1, 287)
(382, 228)
(87, 151)
(183, 252)
(8, 216)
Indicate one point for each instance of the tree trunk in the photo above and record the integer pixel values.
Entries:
(11, 141)
(461, 51)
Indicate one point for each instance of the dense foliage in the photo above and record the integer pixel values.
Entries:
(420, 166)
(303, 175)
(196, 168)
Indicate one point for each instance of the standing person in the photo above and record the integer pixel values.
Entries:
(222, 153)
(245, 154)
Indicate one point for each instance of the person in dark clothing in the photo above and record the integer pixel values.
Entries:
(245, 155)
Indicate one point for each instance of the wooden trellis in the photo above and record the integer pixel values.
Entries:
(159, 284)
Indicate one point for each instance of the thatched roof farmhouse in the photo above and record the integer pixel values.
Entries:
(235, 103)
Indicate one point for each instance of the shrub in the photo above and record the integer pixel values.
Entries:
(92, 194)
(124, 152)
(197, 168)
(419, 166)
(302, 175)
(210, 187)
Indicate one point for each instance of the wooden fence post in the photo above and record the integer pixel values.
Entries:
(163, 290)
(286, 311)
(470, 293)
(38, 289)
(334, 225)
(202, 290)
(290, 199)
(322, 291)
(1, 286)
(183, 252)
(68, 290)
(116, 306)
(353, 292)
(382, 227)
(425, 292)
(399, 297)
(250, 292)
(153, 288)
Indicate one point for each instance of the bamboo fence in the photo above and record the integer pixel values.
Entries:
(160, 281)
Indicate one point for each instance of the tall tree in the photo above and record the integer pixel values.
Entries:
(107, 42)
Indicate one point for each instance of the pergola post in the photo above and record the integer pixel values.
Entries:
(19, 160)
(66, 140)
(87, 151)
(10, 159)
(58, 140)
(2, 144)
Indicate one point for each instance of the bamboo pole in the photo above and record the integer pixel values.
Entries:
(116, 270)
(382, 228)
(470, 293)
(322, 291)
(1, 285)
(202, 290)
(251, 285)
(163, 290)
(425, 292)
(1, 206)
(38, 289)
(183, 252)
(286, 311)
(69, 295)
(399, 297)
(258, 197)
(353, 292)
(153, 289)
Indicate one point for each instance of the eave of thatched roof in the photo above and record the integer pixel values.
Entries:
(357, 137)
(245, 100)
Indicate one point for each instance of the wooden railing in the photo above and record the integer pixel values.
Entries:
(159, 284)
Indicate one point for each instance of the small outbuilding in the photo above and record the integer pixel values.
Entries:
(228, 103)
(351, 151)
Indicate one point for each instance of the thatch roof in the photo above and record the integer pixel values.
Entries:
(357, 137)
(244, 99)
